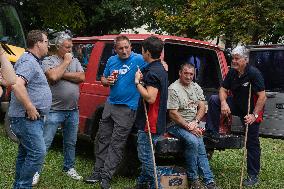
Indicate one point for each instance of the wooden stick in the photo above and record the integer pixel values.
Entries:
(246, 137)
(152, 148)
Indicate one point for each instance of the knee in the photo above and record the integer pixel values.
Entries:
(191, 144)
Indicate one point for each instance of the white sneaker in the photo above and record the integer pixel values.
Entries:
(36, 179)
(73, 174)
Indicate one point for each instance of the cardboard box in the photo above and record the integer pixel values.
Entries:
(173, 177)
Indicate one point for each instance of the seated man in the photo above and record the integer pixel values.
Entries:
(186, 107)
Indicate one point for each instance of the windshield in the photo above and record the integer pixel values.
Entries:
(11, 30)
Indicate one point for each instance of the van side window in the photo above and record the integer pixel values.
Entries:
(83, 52)
(207, 69)
(108, 52)
(271, 65)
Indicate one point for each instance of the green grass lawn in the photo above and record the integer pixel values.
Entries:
(226, 166)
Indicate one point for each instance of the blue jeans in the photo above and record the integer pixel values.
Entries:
(31, 149)
(195, 154)
(145, 157)
(69, 119)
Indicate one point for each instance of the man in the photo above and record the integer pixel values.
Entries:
(64, 74)
(152, 86)
(30, 101)
(7, 73)
(186, 108)
(119, 111)
(238, 82)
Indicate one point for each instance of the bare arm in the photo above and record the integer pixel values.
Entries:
(56, 73)
(22, 95)
(149, 93)
(7, 70)
(75, 77)
(223, 94)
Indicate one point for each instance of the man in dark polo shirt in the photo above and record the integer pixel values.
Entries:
(238, 82)
(152, 85)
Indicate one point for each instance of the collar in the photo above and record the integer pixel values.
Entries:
(37, 59)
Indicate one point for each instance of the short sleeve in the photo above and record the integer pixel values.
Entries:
(257, 81)
(25, 69)
(227, 81)
(199, 93)
(173, 100)
(79, 67)
(106, 70)
(47, 63)
(152, 80)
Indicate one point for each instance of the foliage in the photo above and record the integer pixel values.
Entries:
(225, 165)
(249, 22)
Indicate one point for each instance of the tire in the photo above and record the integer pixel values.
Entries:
(8, 130)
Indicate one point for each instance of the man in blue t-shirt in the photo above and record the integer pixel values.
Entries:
(119, 111)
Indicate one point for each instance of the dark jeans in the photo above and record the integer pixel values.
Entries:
(31, 149)
(253, 145)
(115, 126)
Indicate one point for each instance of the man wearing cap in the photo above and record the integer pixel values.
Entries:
(238, 81)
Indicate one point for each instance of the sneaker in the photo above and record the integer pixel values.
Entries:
(73, 174)
(195, 185)
(211, 185)
(251, 180)
(105, 184)
(35, 179)
(94, 178)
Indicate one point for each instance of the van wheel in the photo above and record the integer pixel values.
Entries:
(210, 153)
(8, 130)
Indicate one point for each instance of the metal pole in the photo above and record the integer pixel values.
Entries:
(152, 148)
(246, 137)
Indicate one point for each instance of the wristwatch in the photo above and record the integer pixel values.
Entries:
(255, 115)
(197, 121)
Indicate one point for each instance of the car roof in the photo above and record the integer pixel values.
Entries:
(140, 37)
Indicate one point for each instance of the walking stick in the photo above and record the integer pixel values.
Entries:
(246, 137)
(152, 149)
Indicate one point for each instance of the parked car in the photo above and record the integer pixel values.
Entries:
(211, 68)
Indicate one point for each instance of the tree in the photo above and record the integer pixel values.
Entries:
(249, 22)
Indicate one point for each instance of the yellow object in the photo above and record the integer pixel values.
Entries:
(18, 51)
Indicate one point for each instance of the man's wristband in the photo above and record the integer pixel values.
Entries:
(197, 121)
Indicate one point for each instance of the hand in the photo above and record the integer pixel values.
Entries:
(68, 58)
(197, 132)
(225, 109)
(249, 119)
(165, 65)
(110, 80)
(191, 126)
(138, 76)
(32, 113)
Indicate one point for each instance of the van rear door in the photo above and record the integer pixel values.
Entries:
(270, 61)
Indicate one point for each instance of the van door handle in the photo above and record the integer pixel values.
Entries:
(271, 94)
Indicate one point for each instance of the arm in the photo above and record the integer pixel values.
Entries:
(56, 73)
(223, 94)
(7, 70)
(107, 81)
(149, 93)
(249, 119)
(22, 95)
(75, 77)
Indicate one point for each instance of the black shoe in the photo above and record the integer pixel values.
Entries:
(195, 185)
(105, 184)
(211, 185)
(94, 178)
(251, 180)
(212, 136)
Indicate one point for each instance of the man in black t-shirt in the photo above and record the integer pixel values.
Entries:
(238, 81)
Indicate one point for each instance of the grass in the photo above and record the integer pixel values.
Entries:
(226, 166)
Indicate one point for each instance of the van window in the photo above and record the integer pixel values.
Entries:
(83, 52)
(207, 71)
(108, 52)
(271, 65)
